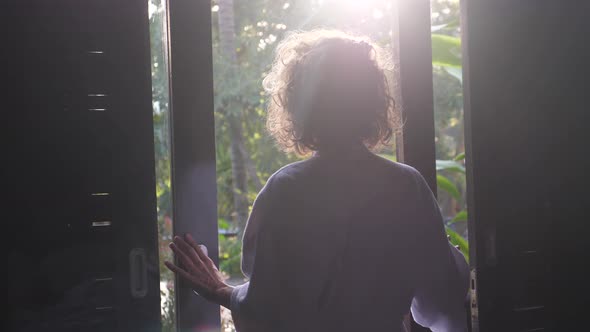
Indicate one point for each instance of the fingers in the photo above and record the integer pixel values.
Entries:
(177, 270)
(204, 249)
(197, 248)
(182, 256)
(191, 254)
(188, 250)
(194, 280)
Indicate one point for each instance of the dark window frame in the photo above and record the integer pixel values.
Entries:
(192, 126)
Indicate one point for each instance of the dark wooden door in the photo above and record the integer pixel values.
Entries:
(80, 206)
(526, 73)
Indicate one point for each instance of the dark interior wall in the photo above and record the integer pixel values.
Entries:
(526, 68)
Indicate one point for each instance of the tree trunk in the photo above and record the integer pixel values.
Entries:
(252, 172)
(227, 37)
(239, 174)
(234, 115)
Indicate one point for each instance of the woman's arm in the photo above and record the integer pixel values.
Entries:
(256, 304)
(442, 277)
(253, 304)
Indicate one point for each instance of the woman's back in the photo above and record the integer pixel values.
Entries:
(343, 236)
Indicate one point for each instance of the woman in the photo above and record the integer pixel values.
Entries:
(344, 240)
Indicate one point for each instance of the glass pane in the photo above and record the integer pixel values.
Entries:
(245, 34)
(448, 113)
(158, 41)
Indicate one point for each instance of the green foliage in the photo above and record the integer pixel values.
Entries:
(458, 240)
(448, 186)
(448, 107)
(454, 72)
(450, 165)
(388, 156)
(446, 50)
(446, 54)
(460, 216)
(230, 250)
(445, 184)
(460, 156)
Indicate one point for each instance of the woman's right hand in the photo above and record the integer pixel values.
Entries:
(199, 271)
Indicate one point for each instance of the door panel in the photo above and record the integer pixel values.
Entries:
(526, 64)
(80, 168)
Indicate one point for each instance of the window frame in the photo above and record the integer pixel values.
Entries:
(192, 128)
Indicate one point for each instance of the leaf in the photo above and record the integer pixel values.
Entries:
(454, 23)
(459, 157)
(435, 28)
(449, 165)
(446, 50)
(456, 72)
(460, 216)
(445, 184)
(223, 224)
(388, 156)
(457, 239)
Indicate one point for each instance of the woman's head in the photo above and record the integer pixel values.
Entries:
(329, 89)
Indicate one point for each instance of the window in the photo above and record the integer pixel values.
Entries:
(448, 115)
(243, 39)
(161, 116)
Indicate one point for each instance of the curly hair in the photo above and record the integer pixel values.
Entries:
(328, 87)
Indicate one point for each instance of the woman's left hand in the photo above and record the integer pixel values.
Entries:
(199, 271)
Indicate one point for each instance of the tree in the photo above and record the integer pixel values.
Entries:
(231, 109)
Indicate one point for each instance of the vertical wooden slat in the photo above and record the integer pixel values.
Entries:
(193, 147)
(415, 145)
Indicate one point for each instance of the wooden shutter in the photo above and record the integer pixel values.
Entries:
(526, 69)
(80, 223)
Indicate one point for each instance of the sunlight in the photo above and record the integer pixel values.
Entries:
(377, 14)
(357, 5)
(366, 8)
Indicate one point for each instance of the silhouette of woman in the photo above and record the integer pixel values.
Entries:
(344, 240)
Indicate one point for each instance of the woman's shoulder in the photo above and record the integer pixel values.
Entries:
(397, 170)
(374, 169)
(286, 174)
(407, 178)
(289, 172)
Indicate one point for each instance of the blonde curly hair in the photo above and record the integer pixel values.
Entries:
(327, 88)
